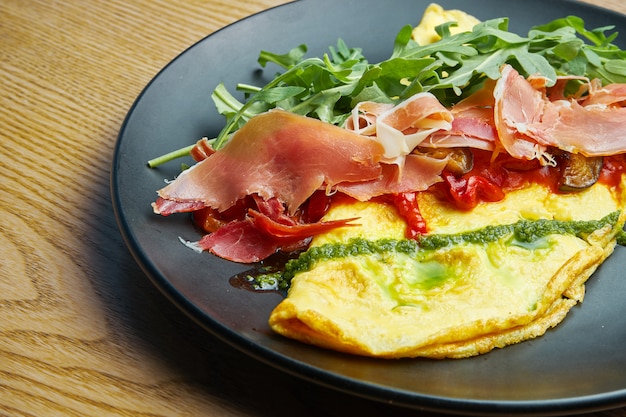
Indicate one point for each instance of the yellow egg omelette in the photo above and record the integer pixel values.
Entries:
(457, 300)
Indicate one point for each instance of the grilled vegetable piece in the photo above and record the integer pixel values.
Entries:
(579, 171)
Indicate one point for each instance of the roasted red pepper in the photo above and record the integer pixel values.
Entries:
(612, 170)
(408, 208)
(469, 190)
(316, 206)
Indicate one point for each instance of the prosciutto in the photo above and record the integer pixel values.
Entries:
(423, 121)
(403, 127)
(528, 122)
(260, 235)
(270, 168)
(518, 105)
(472, 127)
(276, 154)
(609, 95)
(419, 172)
(588, 130)
(363, 117)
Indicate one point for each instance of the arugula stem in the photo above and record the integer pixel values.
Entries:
(248, 88)
(226, 98)
(179, 153)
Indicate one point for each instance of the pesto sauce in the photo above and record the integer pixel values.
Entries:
(523, 231)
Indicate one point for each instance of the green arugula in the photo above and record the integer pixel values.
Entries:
(329, 87)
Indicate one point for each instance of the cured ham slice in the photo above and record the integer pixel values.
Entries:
(528, 122)
(239, 241)
(167, 207)
(277, 154)
(259, 236)
(517, 106)
(608, 95)
(423, 121)
(364, 115)
(408, 124)
(472, 127)
(418, 173)
(588, 130)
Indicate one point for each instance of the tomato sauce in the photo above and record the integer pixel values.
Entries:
(491, 178)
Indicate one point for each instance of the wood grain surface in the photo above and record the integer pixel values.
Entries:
(82, 330)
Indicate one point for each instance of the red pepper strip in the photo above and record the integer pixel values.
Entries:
(295, 231)
(407, 206)
(468, 191)
(316, 206)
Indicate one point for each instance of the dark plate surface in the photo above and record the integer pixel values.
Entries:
(579, 366)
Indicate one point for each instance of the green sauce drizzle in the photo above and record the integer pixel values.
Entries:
(523, 231)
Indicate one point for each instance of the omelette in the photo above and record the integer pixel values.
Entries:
(498, 274)
(434, 15)
(480, 288)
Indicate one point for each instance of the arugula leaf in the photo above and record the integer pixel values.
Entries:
(329, 87)
(287, 60)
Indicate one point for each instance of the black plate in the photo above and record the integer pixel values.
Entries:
(579, 366)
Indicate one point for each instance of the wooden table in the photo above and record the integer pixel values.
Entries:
(82, 330)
